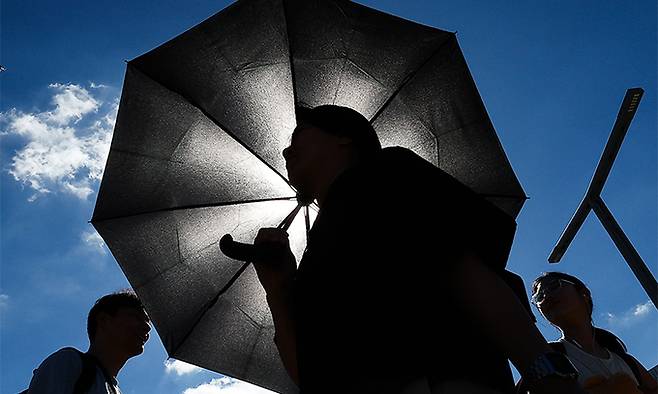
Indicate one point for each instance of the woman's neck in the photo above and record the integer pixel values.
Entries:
(582, 335)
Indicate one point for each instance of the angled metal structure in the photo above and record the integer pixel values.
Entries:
(593, 201)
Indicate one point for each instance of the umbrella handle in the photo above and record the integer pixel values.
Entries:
(248, 252)
(238, 250)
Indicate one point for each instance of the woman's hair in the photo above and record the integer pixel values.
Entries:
(343, 122)
(580, 286)
(603, 337)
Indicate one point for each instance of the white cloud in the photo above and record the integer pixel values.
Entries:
(630, 317)
(642, 309)
(4, 302)
(226, 385)
(66, 148)
(180, 368)
(72, 102)
(94, 240)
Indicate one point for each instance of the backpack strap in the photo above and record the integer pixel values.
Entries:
(93, 361)
(628, 359)
(87, 372)
(612, 342)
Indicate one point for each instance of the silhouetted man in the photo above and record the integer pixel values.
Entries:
(118, 328)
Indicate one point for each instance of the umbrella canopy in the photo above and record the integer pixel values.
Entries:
(196, 153)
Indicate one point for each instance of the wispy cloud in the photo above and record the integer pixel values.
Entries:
(4, 302)
(630, 317)
(92, 239)
(226, 385)
(180, 368)
(65, 147)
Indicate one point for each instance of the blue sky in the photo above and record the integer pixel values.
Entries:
(551, 74)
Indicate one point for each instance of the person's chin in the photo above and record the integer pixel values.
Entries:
(137, 351)
(138, 348)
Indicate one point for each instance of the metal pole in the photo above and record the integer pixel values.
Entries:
(626, 248)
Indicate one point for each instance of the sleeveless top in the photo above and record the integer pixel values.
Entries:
(592, 368)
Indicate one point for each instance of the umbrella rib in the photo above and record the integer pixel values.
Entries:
(347, 46)
(363, 70)
(410, 77)
(210, 304)
(253, 345)
(292, 67)
(196, 206)
(127, 152)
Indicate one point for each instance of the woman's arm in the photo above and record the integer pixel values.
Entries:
(489, 301)
(276, 275)
(285, 336)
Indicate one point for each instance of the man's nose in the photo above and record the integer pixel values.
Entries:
(286, 153)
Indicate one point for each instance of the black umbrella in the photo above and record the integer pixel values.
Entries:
(196, 154)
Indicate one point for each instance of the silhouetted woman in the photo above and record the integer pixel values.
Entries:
(600, 357)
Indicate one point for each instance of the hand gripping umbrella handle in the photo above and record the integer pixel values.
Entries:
(248, 252)
(238, 250)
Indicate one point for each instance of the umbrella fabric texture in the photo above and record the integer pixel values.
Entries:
(196, 154)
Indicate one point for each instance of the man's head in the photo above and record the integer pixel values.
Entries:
(327, 139)
(119, 319)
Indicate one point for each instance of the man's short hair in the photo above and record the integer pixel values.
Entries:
(343, 122)
(110, 304)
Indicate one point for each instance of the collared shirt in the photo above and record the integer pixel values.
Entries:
(60, 371)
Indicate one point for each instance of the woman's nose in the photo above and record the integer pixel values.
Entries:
(286, 153)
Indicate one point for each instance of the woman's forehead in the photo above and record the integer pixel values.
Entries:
(306, 130)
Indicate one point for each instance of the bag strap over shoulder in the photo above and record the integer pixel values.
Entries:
(87, 374)
(613, 343)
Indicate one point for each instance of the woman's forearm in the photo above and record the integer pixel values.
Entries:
(285, 335)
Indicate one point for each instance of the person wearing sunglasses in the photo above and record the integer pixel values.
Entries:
(599, 356)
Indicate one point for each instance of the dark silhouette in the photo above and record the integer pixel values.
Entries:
(601, 358)
(400, 289)
(118, 328)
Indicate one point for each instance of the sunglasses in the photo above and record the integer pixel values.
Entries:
(548, 287)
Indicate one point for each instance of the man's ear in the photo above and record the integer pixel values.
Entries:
(103, 320)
